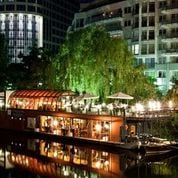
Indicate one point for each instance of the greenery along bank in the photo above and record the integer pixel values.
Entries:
(89, 60)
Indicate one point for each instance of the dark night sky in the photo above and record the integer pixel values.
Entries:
(83, 1)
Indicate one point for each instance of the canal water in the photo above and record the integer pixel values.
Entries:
(25, 157)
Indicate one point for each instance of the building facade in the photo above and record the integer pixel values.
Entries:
(43, 23)
(149, 26)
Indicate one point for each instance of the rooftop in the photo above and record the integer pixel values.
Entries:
(98, 3)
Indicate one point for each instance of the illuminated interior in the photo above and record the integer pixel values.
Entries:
(40, 99)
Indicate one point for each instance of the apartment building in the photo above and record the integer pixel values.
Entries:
(43, 23)
(149, 26)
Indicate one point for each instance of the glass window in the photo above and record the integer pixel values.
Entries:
(144, 49)
(162, 60)
(151, 48)
(151, 7)
(150, 62)
(136, 49)
(144, 35)
(144, 21)
(3, 26)
(29, 25)
(144, 7)
(10, 7)
(20, 25)
(162, 74)
(162, 4)
(151, 20)
(11, 26)
(21, 7)
(29, 34)
(11, 34)
(127, 10)
(31, 8)
(20, 34)
(136, 9)
(2, 8)
(139, 61)
(151, 35)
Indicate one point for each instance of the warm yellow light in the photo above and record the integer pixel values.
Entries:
(98, 127)
(55, 154)
(98, 164)
(158, 105)
(151, 105)
(106, 126)
(170, 104)
(106, 163)
(139, 107)
(55, 123)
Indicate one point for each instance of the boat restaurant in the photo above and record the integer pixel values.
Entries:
(61, 113)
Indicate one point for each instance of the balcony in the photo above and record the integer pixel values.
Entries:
(102, 18)
(172, 8)
(113, 27)
(169, 23)
(169, 37)
(167, 66)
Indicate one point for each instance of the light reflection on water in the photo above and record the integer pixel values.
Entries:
(22, 157)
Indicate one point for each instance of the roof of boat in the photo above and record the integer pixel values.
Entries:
(40, 93)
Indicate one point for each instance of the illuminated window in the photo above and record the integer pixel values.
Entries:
(11, 35)
(29, 25)
(10, 42)
(11, 25)
(3, 26)
(136, 49)
(29, 34)
(20, 25)
(20, 34)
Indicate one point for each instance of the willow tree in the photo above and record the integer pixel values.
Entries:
(92, 61)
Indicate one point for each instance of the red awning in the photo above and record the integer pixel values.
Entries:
(40, 93)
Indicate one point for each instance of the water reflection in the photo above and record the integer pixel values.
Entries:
(54, 159)
(24, 157)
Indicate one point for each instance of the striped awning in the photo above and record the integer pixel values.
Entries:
(40, 93)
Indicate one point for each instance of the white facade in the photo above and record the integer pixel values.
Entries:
(149, 26)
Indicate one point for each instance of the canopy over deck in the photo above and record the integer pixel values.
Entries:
(40, 99)
(40, 93)
(120, 95)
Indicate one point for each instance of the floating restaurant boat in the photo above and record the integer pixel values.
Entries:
(59, 114)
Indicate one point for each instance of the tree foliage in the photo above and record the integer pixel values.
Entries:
(172, 95)
(35, 71)
(92, 61)
(3, 62)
